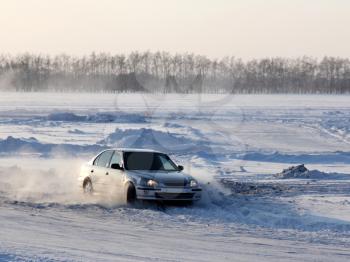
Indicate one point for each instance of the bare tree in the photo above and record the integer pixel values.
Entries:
(163, 72)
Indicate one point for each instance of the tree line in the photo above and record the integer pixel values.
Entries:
(182, 73)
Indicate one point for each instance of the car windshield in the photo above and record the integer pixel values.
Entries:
(148, 161)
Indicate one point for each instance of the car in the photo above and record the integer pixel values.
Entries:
(138, 174)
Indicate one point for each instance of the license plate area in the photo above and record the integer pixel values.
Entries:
(174, 190)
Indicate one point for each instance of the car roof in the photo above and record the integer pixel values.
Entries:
(135, 150)
(124, 150)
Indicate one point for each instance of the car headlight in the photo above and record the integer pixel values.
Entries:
(193, 183)
(148, 182)
(152, 183)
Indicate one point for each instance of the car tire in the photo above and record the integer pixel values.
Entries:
(130, 194)
(87, 187)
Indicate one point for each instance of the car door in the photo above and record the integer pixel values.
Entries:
(116, 176)
(99, 172)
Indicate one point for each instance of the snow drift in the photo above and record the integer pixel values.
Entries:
(118, 117)
(279, 157)
(300, 171)
(153, 139)
(12, 145)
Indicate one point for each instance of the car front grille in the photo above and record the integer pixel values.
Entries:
(175, 183)
(174, 195)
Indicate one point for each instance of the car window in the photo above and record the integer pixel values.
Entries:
(103, 159)
(115, 158)
(96, 160)
(167, 165)
(148, 161)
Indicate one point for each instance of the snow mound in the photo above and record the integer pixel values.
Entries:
(66, 117)
(12, 145)
(153, 139)
(119, 117)
(252, 188)
(277, 157)
(76, 132)
(300, 171)
(173, 125)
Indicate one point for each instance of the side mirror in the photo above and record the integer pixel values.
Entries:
(180, 168)
(117, 166)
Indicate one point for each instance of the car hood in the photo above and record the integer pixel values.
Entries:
(160, 176)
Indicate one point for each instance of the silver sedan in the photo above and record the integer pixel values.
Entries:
(138, 174)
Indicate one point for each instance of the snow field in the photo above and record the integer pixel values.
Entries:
(234, 145)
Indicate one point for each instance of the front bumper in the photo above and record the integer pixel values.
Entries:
(169, 193)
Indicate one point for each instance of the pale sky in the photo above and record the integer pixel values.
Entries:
(243, 28)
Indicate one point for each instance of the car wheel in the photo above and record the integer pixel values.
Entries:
(130, 193)
(87, 186)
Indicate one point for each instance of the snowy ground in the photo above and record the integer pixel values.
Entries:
(233, 144)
